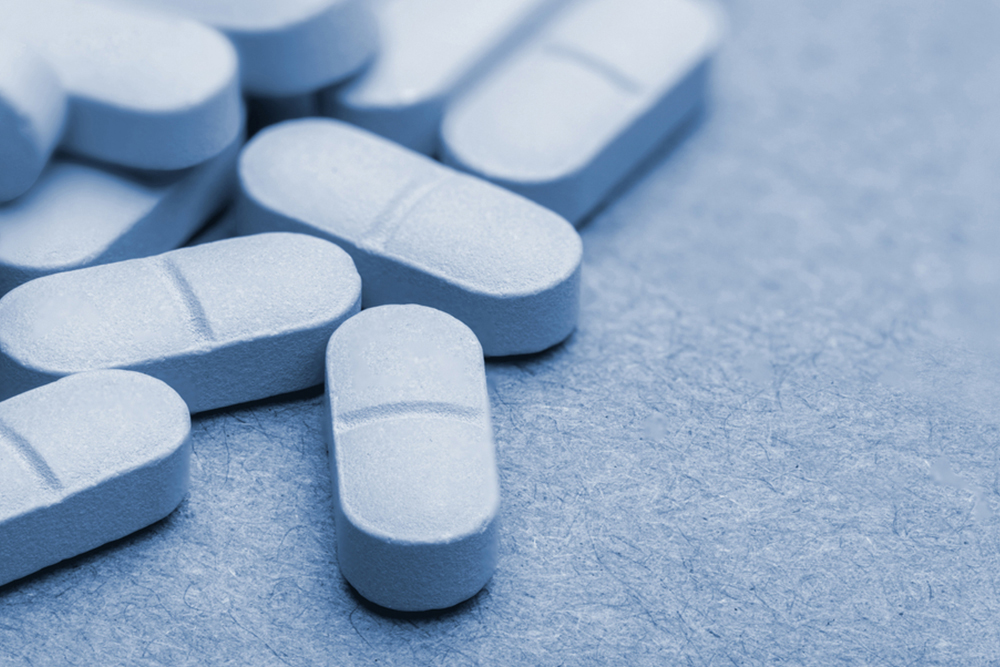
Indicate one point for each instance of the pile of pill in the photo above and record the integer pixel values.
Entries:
(408, 210)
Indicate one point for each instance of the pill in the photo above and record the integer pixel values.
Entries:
(32, 114)
(567, 117)
(416, 490)
(145, 89)
(80, 214)
(429, 50)
(222, 323)
(419, 232)
(291, 46)
(84, 461)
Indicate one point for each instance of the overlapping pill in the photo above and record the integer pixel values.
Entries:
(430, 50)
(79, 214)
(145, 90)
(416, 490)
(419, 232)
(84, 461)
(222, 323)
(288, 47)
(32, 115)
(572, 113)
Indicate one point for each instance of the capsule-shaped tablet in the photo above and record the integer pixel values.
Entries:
(85, 461)
(80, 214)
(567, 117)
(145, 89)
(416, 490)
(288, 47)
(429, 51)
(419, 232)
(222, 323)
(32, 115)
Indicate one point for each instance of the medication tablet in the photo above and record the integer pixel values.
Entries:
(574, 111)
(145, 90)
(416, 490)
(288, 47)
(221, 323)
(32, 114)
(429, 50)
(81, 214)
(419, 232)
(85, 461)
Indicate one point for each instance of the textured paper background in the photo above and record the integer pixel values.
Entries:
(772, 440)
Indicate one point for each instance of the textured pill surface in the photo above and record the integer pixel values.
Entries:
(32, 115)
(568, 116)
(416, 490)
(84, 461)
(288, 47)
(79, 214)
(419, 232)
(145, 89)
(222, 323)
(428, 51)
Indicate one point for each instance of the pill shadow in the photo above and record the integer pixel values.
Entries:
(664, 150)
(460, 609)
(307, 394)
(154, 531)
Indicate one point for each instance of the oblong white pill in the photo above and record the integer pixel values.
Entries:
(573, 112)
(32, 115)
(419, 232)
(85, 461)
(429, 50)
(288, 47)
(145, 89)
(222, 323)
(80, 214)
(416, 489)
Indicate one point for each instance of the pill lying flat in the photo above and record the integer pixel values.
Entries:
(416, 490)
(222, 323)
(145, 90)
(32, 114)
(80, 214)
(429, 50)
(568, 116)
(418, 232)
(84, 461)
(288, 47)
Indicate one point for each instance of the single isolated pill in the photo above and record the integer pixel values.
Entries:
(80, 214)
(288, 47)
(85, 461)
(222, 323)
(567, 117)
(416, 489)
(419, 232)
(145, 89)
(32, 115)
(429, 51)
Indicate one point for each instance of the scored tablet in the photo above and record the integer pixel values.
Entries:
(84, 461)
(222, 323)
(569, 115)
(419, 232)
(416, 488)
(145, 89)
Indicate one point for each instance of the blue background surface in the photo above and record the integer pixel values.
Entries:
(772, 440)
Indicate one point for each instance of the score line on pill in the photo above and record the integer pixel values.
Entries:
(416, 488)
(419, 232)
(222, 323)
(569, 115)
(84, 461)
